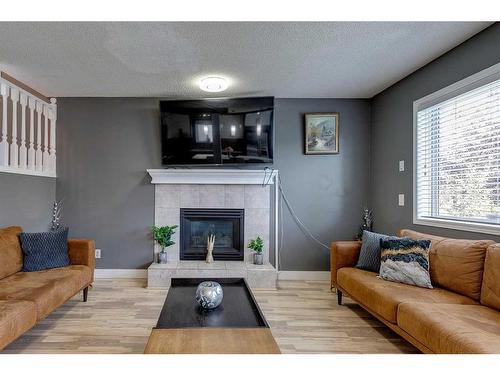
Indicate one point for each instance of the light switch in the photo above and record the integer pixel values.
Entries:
(401, 199)
(401, 165)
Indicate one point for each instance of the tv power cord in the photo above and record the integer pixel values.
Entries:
(268, 174)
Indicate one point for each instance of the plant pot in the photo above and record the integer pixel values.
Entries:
(162, 258)
(258, 258)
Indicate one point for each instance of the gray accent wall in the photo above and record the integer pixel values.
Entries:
(327, 192)
(106, 145)
(26, 201)
(392, 130)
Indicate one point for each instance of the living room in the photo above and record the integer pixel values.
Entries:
(269, 187)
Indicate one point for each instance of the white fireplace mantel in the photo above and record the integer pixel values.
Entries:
(213, 176)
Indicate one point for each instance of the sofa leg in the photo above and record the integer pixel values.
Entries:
(85, 293)
(339, 297)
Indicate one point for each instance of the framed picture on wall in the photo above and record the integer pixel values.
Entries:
(321, 133)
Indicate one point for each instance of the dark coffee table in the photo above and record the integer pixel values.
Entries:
(236, 326)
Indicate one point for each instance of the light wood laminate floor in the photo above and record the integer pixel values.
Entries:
(118, 317)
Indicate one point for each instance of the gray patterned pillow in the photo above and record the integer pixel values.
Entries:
(406, 261)
(45, 250)
(369, 255)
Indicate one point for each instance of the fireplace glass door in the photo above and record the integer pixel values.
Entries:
(225, 224)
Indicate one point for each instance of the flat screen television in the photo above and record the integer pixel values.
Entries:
(217, 131)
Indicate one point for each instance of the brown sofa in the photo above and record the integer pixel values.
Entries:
(28, 297)
(460, 315)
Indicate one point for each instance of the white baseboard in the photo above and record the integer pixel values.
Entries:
(101, 273)
(304, 275)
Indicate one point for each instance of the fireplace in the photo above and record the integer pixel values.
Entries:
(198, 223)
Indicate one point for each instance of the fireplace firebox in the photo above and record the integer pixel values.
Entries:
(198, 223)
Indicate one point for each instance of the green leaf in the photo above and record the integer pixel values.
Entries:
(162, 235)
(256, 245)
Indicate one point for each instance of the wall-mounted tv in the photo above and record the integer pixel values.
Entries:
(217, 131)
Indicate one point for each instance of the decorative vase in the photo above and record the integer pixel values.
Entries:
(209, 295)
(258, 258)
(162, 257)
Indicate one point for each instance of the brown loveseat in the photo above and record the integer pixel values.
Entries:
(460, 315)
(28, 297)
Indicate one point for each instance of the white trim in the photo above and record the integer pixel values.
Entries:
(213, 176)
(29, 172)
(451, 89)
(102, 273)
(417, 105)
(414, 172)
(304, 275)
(458, 225)
(276, 224)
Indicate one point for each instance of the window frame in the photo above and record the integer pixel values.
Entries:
(467, 84)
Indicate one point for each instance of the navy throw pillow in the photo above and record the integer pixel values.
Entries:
(369, 255)
(45, 250)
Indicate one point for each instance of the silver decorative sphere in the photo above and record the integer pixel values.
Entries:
(209, 294)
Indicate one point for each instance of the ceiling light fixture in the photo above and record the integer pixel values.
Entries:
(213, 84)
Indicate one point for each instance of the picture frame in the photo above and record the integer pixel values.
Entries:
(321, 133)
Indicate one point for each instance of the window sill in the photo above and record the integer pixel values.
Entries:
(464, 226)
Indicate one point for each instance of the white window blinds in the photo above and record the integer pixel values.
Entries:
(457, 176)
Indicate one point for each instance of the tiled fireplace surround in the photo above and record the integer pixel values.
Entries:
(176, 189)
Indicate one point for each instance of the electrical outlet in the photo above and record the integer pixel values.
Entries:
(401, 199)
(98, 253)
(401, 165)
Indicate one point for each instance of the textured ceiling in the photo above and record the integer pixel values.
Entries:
(290, 59)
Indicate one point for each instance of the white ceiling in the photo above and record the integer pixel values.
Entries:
(290, 59)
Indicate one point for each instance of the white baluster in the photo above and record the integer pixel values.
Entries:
(52, 149)
(38, 153)
(14, 147)
(31, 149)
(45, 158)
(23, 150)
(4, 146)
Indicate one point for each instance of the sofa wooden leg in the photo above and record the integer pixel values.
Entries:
(339, 297)
(85, 293)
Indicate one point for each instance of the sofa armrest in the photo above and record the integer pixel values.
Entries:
(343, 254)
(82, 252)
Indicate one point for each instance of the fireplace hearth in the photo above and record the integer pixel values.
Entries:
(196, 224)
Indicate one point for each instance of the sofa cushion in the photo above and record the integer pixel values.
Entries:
(16, 317)
(452, 329)
(45, 250)
(455, 264)
(490, 291)
(11, 255)
(48, 289)
(383, 297)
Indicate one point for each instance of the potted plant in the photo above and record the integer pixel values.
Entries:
(257, 245)
(163, 235)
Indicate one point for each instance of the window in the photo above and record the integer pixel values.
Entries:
(457, 155)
